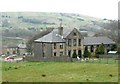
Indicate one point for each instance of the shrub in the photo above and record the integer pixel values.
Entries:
(101, 49)
(93, 54)
(86, 52)
(74, 55)
(118, 48)
(114, 47)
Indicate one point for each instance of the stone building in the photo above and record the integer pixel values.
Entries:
(94, 42)
(12, 48)
(63, 42)
(59, 42)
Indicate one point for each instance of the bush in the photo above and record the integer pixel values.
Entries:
(74, 55)
(86, 52)
(93, 54)
(114, 47)
(100, 49)
(118, 48)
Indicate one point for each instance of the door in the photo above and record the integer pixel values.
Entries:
(79, 53)
(69, 53)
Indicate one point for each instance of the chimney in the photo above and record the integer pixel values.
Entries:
(60, 31)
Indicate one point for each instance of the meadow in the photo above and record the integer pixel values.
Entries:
(60, 71)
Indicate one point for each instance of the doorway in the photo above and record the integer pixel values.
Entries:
(79, 53)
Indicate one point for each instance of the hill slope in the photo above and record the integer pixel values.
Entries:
(27, 24)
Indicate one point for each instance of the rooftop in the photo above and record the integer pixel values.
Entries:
(51, 37)
(97, 40)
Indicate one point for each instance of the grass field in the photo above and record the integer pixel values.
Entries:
(60, 72)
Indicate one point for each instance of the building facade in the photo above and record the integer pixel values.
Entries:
(63, 42)
(93, 42)
(59, 42)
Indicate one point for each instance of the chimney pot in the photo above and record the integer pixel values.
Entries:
(60, 31)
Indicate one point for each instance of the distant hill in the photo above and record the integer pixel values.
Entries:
(27, 24)
(27, 20)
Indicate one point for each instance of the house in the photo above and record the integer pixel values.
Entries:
(22, 48)
(63, 42)
(11, 48)
(59, 42)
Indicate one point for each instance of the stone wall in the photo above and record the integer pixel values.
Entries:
(38, 50)
(61, 58)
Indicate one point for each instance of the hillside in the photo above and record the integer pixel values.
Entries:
(27, 24)
(41, 19)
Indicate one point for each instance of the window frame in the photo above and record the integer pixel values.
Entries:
(69, 42)
(61, 45)
(79, 42)
(61, 53)
(74, 42)
(74, 34)
(55, 46)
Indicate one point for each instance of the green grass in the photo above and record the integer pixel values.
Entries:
(60, 72)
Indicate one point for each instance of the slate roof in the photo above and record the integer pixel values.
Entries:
(12, 45)
(97, 40)
(66, 32)
(51, 37)
(54, 37)
(22, 46)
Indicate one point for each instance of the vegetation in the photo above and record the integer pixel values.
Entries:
(31, 41)
(60, 72)
(74, 55)
(114, 47)
(93, 55)
(118, 48)
(86, 52)
(27, 25)
(100, 49)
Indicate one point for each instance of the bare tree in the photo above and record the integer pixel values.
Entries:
(30, 42)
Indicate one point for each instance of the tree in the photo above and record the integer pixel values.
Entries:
(74, 55)
(30, 42)
(101, 49)
(93, 54)
(97, 52)
(113, 47)
(118, 48)
(86, 52)
(109, 29)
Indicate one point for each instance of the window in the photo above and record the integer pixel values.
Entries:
(74, 34)
(97, 46)
(43, 54)
(79, 42)
(69, 53)
(74, 42)
(108, 45)
(61, 45)
(55, 46)
(69, 42)
(54, 53)
(61, 53)
(92, 48)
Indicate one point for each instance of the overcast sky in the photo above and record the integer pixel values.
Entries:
(95, 8)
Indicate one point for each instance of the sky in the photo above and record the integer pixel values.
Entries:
(96, 8)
